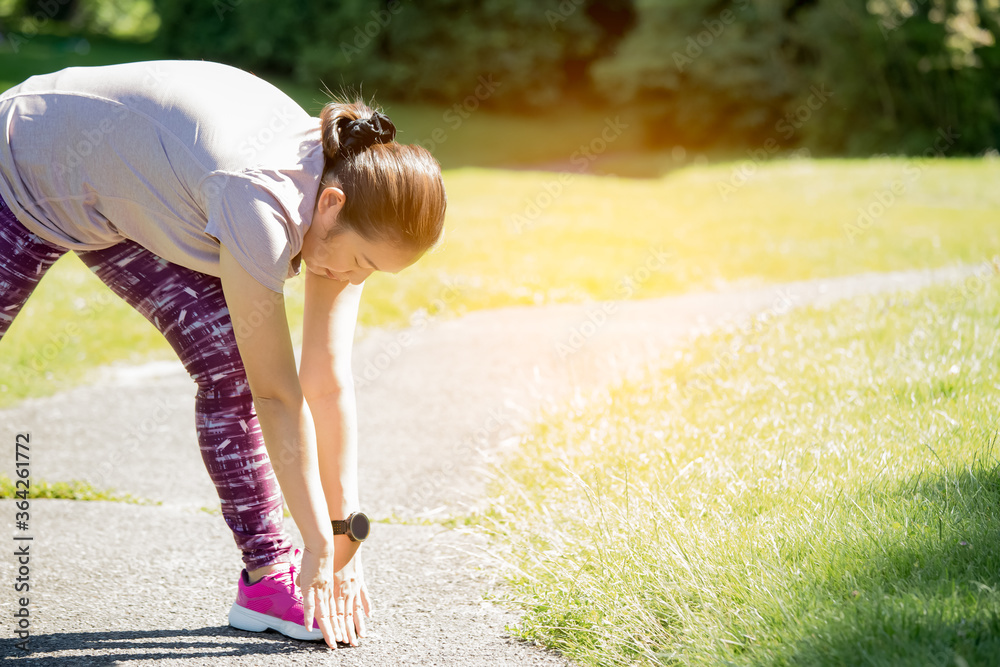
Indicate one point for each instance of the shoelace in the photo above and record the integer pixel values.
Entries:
(291, 574)
(287, 578)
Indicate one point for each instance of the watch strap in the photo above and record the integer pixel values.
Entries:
(340, 526)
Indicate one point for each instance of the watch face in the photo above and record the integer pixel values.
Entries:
(360, 526)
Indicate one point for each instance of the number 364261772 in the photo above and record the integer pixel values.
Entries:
(22, 459)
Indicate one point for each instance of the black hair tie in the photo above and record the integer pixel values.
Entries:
(357, 135)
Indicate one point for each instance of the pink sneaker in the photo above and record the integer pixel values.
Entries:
(273, 603)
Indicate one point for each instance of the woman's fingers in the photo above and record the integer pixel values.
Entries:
(313, 610)
(353, 595)
(307, 605)
(341, 625)
(366, 601)
(359, 614)
(349, 616)
(339, 609)
(326, 623)
(317, 607)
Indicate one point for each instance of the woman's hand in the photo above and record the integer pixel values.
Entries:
(353, 605)
(315, 580)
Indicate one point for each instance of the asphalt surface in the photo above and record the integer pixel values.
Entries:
(115, 583)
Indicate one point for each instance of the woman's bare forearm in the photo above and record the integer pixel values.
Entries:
(337, 439)
(337, 442)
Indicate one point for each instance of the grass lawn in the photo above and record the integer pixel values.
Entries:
(793, 220)
(75, 490)
(534, 237)
(821, 488)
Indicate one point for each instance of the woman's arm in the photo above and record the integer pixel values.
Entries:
(261, 329)
(331, 314)
(330, 318)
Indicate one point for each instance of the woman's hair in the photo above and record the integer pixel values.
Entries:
(394, 192)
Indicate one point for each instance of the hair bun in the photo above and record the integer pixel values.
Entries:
(357, 135)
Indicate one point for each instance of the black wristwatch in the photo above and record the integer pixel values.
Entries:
(357, 526)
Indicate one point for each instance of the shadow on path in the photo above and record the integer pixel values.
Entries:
(117, 647)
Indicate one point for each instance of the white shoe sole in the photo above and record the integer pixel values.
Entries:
(254, 621)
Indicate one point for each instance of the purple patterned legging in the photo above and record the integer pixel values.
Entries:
(188, 308)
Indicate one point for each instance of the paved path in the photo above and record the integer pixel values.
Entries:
(123, 584)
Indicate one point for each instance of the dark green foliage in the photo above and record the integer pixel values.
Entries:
(438, 50)
(704, 71)
(254, 34)
(838, 76)
(907, 81)
(441, 50)
(133, 20)
(56, 10)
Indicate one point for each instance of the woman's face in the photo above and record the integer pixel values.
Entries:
(346, 256)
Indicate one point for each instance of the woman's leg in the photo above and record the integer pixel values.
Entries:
(189, 309)
(24, 259)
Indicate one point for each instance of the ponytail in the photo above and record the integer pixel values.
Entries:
(394, 192)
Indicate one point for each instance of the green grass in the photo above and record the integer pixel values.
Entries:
(594, 241)
(821, 488)
(49, 53)
(73, 490)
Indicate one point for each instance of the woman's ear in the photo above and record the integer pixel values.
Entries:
(331, 199)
